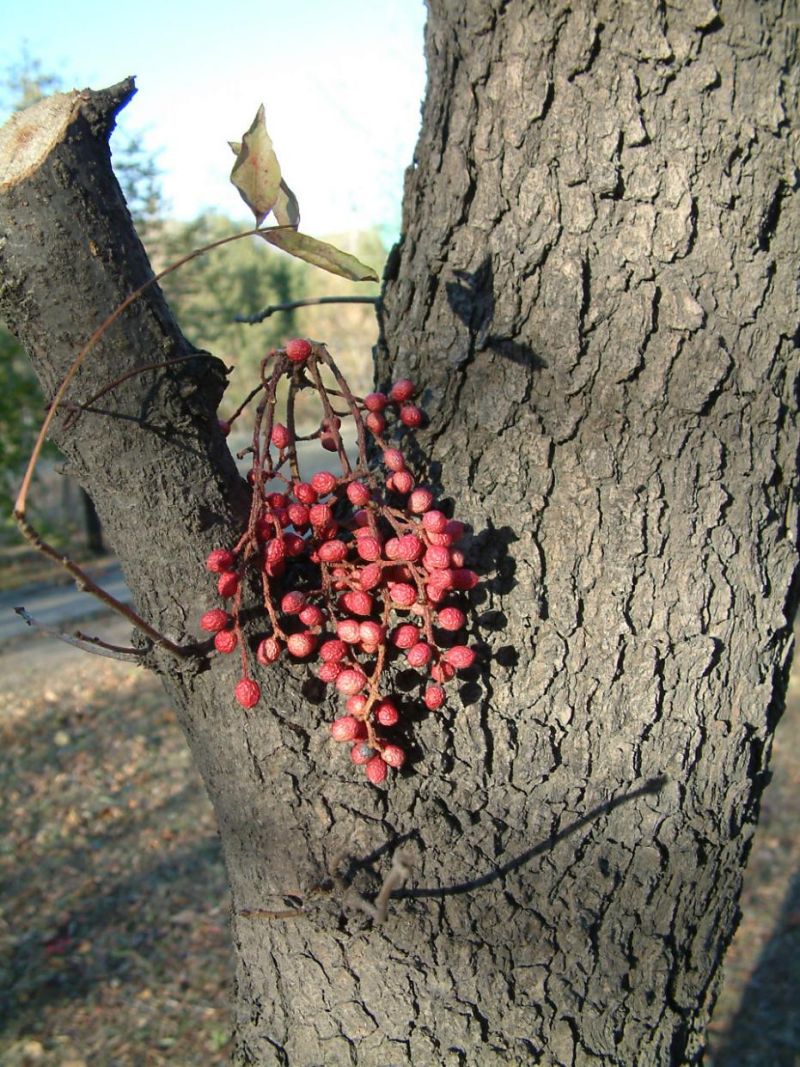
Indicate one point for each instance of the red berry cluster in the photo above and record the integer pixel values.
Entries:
(360, 570)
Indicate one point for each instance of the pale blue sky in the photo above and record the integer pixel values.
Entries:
(341, 82)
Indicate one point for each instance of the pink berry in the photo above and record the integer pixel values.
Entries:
(460, 657)
(227, 584)
(225, 641)
(292, 603)
(442, 672)
(362, 752)
(301, 645)
(420, 654)
(386, 713)
(463, 578)
(410, 548)
(376, 770)
(420, 500)
(277, 500)
(332, 551)
(356, 704)
(215, 620)
(293, 545)
(371, 632)
(375, 423)
(359, 603)
(248, 692)
(370, 576)
(347, 728)
(393, 459)
(358, 494)
(305, 493)
(402, 390)
(329, 672)
(298, 350)
(348, 630)
(320, 515)
(298, 515)
(434, 521)
(411, 416)
(220, 560)
(311, 615)
(434, 697)
(280, 436)
(268, 651)
(324, 482)
(402, 482)
(451, 618)
(393, 755)
(402, 594)
(405, 635)
(436, 558)
(350, 682)
(332, 651)
(375, 401)
(369, 548)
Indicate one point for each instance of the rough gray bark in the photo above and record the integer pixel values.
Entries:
(595, 288)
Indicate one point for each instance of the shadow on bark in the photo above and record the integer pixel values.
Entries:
(766, 1028)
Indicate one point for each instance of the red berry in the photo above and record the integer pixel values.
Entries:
(311, 615)
(329, 672)
(347, 728)
(358, 602)
(349, 630)
(225, 641)
(402, 390)
(375, 423)
(401, 482)
(436, 558)
(280, 436)
(277, 500)
(298, 350)
(328, 442)
(356, 704)
(368, 548)
(410, 548)
(292, 603)
(358, 494)
(376, 770)
(304, 492)
(463, 578)
(332, 551)
(375, 401)
(393, 755)
(420, 654)
(434, 697)
(362, 752)
(350, 682)
(301, 645)
(434, 521)
(332, 651)
(269, 649)
(224, 427)
(420, 500)
(370, 576)
(442, 672)
(298, 515)
(324, 482)
(411, 416)
(227, 584)
(320, 514)
(371, 632)
(402, 594)
(215, 620)
(248, 692)
(293, 544)
(405, 635)
(386, 713)
(460, 657)
(451, 618)
(393, 459)
(220, 560)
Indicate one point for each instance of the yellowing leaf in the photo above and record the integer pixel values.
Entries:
(320, 254)
(286, 209)
(256, 172)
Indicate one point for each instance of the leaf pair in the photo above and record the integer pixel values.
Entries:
(257, 175)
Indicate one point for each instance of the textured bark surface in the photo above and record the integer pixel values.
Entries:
(595, 288)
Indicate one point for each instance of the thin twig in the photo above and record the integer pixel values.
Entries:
(253, 320)
(87, 644)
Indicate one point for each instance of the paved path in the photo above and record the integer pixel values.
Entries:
(56, 605)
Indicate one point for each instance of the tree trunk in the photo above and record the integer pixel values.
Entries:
(595, 290)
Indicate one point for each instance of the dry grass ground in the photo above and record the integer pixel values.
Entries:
(112, 938)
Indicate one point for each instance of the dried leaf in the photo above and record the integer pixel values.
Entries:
(256, 172)
(320, 254)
